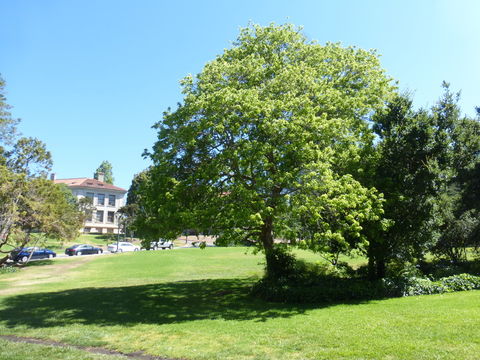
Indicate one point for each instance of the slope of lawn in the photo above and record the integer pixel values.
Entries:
(194, 304)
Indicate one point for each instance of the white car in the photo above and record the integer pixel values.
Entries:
(122, 247)
(161, 244)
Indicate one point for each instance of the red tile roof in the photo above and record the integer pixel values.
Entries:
(88, 183)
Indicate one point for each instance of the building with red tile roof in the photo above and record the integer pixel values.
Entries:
(106, 199)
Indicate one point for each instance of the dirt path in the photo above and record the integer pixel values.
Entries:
(140, 355)
(39, 275)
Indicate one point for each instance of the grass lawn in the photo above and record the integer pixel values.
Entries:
(22, 351)
(193, 304)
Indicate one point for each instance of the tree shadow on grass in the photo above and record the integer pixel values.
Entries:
(164, 303)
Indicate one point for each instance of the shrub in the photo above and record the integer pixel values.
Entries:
(321, 290)
(316, 283)
(443, 268)
(323, 283)
(423, 286)
(280, 264)
(461, 282)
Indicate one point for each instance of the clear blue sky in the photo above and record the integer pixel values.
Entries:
(91, 77)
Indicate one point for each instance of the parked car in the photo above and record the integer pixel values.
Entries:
(82, 249)
(22, 255)
(122, 247)
(161, 244)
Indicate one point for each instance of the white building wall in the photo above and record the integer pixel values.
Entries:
(103, 226)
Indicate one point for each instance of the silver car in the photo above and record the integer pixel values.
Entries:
(122, 247)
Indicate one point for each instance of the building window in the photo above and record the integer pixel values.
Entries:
(99, 216)
(111, 217)
(111, 200)
(90, 196)
(100, 199)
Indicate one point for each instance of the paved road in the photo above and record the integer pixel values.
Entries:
(63, 255)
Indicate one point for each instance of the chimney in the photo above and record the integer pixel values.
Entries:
(53, 176)
(101, 176)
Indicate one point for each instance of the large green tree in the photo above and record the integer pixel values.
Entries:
(420, 155)
(459, 206)
(264, 143)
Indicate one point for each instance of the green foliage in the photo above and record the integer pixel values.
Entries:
(419, 157)
(29, 156)
(7, 122)
(318, 291)
(411, 286)
(264, 142)
(280, 264)
(141, 214)
(48, 210)
(106, 168)
(406, 173)
(458, 208)
(85, 205)
(307, 283)
(317, 283)
(460, 233)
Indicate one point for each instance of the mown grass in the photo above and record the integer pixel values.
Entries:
(23, 351)
(194, 304)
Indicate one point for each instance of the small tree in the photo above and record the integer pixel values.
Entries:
(105, 168)
(34, 205)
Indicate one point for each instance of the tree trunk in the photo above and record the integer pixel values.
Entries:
(376, 261)
(266, 237)
(279, 263)
(3, 260)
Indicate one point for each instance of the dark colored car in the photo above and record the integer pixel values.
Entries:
(22, 255)
(82, 249)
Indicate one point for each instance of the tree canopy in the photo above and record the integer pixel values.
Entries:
(7, 122)
(421, 157)
(106, 168)
(265, 142)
